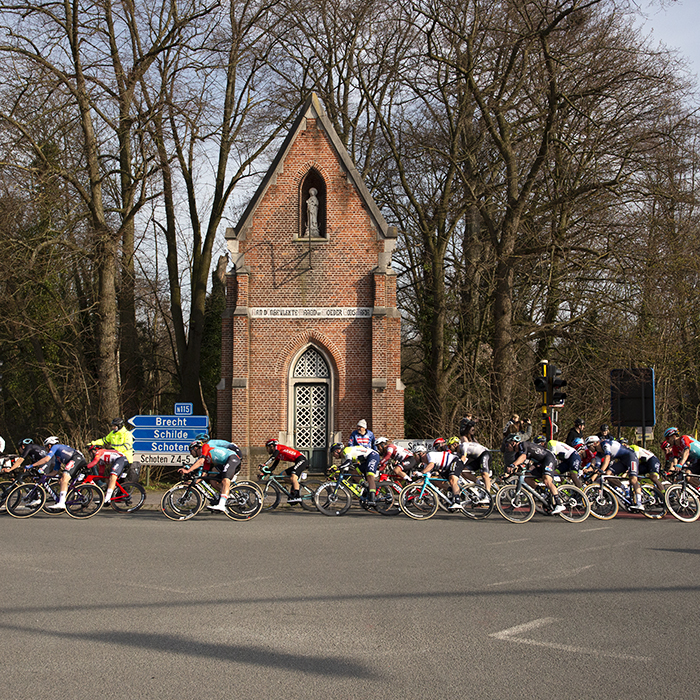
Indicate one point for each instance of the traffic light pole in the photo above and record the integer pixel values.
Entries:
(542, 386)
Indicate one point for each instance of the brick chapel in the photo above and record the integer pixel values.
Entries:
(311, 337)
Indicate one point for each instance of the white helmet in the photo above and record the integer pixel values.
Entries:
(591, 439)
(381, 440)
(51, 441)
(419, 449)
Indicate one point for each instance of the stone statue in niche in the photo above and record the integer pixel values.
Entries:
(312, 214)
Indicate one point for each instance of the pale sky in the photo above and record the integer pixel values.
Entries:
(676, 23)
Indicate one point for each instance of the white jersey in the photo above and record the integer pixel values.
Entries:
(471, 450)
(440, 459)
(560, 450)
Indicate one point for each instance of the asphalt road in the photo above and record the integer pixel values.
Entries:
(298, 605)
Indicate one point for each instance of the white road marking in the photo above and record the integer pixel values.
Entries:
(509, 636)
(561, 574)
(189, 591)
(593, 529)
(522, 539)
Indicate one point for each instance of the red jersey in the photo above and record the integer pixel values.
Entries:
(286, 454)
(103, 458)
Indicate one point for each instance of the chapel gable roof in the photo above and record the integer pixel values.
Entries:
(312, 109)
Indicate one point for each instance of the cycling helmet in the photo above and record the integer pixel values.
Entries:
(382, 440)
(51, 441)
(438, 443)
(204, 437)
(453, 441)
(27, 441)
(92, 450)
(196, 445)
(577, 442)
(272, 443)
(513, 437)
(336, 446)
(419, 449)
(624, 441)
(669, 432)
(540, 439)
(592, 439)
(117, 424)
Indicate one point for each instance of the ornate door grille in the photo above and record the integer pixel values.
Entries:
(311, 406)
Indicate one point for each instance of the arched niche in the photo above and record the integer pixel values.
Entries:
(312, 206)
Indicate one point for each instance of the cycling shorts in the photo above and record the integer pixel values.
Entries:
(300, 465)
(230, 468)
(117, 466)
(73, 466)
(571, 464)
(370, 465)
(650, 466)
(482, 463)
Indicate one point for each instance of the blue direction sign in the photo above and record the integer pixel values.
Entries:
(168, 434)
(160, 446)
(176, 434)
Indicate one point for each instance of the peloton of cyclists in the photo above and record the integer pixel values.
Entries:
(400, 459)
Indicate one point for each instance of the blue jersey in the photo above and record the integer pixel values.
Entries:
(64, 454)
(366, 440)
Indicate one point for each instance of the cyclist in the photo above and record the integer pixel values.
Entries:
(361, 437)
(649, 464)
(281, 453)
(448, 466)
(30, 453)
(400, 460)
(67, 462)
(544, 461)
(626, 460)
(439, 445)
(120, 439)
(682, 450)
(364, 459)
(569, 458)
(474, 457)
(107, 459)
(226, 461)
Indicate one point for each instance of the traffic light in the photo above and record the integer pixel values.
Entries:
(541, 385)
(555, 384)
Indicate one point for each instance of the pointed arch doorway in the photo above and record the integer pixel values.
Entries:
(311, 404)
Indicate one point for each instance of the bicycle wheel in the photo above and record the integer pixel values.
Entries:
(5, 487)
(473, 505)
(418, 503)
(603, 502)
(181, 502)
(333, 498)
(576, 503)
(384, 500)
(24, 500)
(128, 497)
(84, 500)
(244, 502)
(306, 492)
(272, 495)
(653, 502)
(515, 505)
(682, 503)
